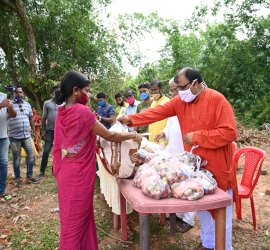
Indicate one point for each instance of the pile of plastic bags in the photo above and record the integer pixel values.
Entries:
(181, 176)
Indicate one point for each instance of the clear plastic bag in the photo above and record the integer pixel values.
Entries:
(156, 188)
(142, 174)
(209, 184)
(190, 189)
(177, 171)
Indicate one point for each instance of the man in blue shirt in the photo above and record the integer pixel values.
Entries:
(20, 135)
(133, 104)
(105, 112)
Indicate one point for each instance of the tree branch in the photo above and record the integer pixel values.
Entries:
(10, 6)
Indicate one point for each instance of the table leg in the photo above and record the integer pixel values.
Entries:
(116, 221)
(123, 217)
(144, 232)
(172, 224)
(162, 218)
(220, 224)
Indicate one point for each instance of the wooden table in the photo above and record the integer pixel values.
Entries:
(146, 205)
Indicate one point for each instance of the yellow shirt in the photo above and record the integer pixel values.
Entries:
(157, 127)
(117, 110)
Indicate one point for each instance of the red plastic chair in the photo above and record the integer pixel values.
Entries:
(254, 158)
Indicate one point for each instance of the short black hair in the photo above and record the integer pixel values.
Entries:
(118, 95)
(143, 85)
(101, 95)
(191, 74)
(156, 82)
(127, 90)
(54, 88)
(18, 87)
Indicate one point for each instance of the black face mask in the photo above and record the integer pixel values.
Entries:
(121, 104)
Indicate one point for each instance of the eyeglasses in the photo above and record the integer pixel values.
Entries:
(174, 90)
(20, 106)
(183, 87)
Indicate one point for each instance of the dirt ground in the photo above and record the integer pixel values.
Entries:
(34, 204)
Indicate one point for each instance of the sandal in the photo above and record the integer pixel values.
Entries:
(4, 194)
(183, 227)
(7, 194)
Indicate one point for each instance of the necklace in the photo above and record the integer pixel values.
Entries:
(68, 105)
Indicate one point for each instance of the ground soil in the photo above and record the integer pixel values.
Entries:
(36, 202)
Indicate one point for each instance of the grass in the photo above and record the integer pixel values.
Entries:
(37, 236)
(43, 235)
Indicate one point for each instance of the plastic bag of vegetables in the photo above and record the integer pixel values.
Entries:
(209, 184)
(156, 187)
(142, 174)
(190, 189)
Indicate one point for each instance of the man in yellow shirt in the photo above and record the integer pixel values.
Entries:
(160, 99)
(120, 104)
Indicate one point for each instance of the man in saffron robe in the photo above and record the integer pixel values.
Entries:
(206, 119)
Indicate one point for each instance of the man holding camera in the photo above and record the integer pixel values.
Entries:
(6, 108)
(20, 135)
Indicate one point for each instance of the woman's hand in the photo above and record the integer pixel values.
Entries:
(124, 119)
(159, 136)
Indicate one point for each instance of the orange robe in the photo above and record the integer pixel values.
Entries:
(211, 118)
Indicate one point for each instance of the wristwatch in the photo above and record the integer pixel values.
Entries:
(99, 119)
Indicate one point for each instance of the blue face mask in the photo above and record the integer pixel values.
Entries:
(144, 96)
(18, 99)
(101, 103)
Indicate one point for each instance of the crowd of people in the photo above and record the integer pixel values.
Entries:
(195, 114)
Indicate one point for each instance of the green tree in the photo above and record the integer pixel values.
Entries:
(42, 40)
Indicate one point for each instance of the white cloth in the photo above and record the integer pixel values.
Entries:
(208, 226)
(187, 217)
(109, 188)
(173, 134)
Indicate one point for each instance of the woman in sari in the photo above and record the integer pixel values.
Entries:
(37, 121)
(76, 128)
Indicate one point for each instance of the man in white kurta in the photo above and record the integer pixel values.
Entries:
(172, 134)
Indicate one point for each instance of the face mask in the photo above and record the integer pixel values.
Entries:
(130, 101)
(144, 96)
(101, 103)
(156, 96)
(18, 99)
(187, 95)
(83, 99)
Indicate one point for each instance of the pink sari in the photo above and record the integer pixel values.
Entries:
(75, 177)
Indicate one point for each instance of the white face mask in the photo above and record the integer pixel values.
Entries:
(186, 95)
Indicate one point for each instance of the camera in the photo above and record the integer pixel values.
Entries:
(10, 89)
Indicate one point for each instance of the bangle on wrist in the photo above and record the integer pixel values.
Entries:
(99, 119)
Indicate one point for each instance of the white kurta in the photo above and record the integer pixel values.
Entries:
(173, 134)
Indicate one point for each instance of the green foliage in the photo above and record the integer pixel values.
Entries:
(69, 35)
(232, 54)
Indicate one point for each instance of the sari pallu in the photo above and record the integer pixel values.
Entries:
(75, 177)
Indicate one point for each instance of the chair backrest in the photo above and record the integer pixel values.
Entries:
(254, 158)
